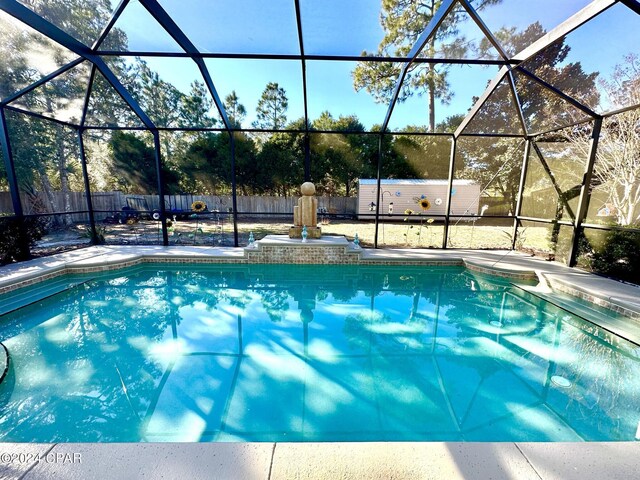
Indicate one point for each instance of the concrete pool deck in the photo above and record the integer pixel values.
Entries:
(429, 460)
(322, 461)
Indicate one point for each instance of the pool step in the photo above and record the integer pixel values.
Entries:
(25, 296)
(617, 324)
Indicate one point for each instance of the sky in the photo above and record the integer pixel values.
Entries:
(346, 27)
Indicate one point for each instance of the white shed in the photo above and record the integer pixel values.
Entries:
(465, 196)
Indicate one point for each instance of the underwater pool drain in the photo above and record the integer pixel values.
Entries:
(560, 381)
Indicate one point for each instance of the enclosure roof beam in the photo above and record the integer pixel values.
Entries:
(566, 27)
(558, 92)
(165, 20)
(516, 99)
(313, 57)
(288, 130)
(481, 101)
(487, 33)
(621, 110)
(429, 31)
(561, 195)
(41, 117)
(575, 21)
(304, 64)
(35, 21)
(87, 96)
(107, 28)
(42, 81)
(633, 5)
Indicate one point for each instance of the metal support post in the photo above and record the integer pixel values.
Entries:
(523, 177)
(379, 173)
(234, 190)
(585, 192)
(87, 189)
(163, 212)
(447, 211)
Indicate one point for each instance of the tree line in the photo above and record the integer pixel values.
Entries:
(273, 164)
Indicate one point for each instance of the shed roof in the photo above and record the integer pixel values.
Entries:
(413, 181)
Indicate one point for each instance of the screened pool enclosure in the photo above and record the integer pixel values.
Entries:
(194, 122)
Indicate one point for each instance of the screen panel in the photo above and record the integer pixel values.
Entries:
(124, 186)
(340, 88)
(27, 55)
(137, 31)
(61, 98)
(457, 90)
(517, 23)
(548, 240)
(170, 90)
(596, 64)
(232, 26)
(414, 186)
(615, 185)
(6, 205)
(59, 232)
(269, 172)
(198, 185)
(339, 164)
(47, 164)
(487, 173)
(544, 110)
(480, 233)
(263, 94)
(355, 27)
(82, 19)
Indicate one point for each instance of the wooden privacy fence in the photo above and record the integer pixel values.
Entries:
(38, 203)
(107, 203)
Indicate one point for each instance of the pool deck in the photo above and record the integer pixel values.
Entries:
(322, 461)
(421, 460)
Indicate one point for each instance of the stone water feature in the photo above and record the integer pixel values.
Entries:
(305, 214)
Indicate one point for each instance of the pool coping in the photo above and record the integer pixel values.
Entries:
(349, 461)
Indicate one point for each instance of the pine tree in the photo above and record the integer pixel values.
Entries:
(272, 107)
(235, 110)
(403, 22)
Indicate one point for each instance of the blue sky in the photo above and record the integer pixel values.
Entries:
(345, 27)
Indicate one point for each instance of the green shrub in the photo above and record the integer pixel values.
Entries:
(17, 236)
(615, 253)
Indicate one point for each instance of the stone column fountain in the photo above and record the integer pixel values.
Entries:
(305, 214)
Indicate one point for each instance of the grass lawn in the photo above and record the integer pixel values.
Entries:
(392, 235)
(403, 235)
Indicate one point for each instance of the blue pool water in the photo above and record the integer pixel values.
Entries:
(309, 353)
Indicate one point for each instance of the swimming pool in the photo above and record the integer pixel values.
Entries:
(308, 353)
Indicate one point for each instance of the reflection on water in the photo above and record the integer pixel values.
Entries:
(311, 353)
